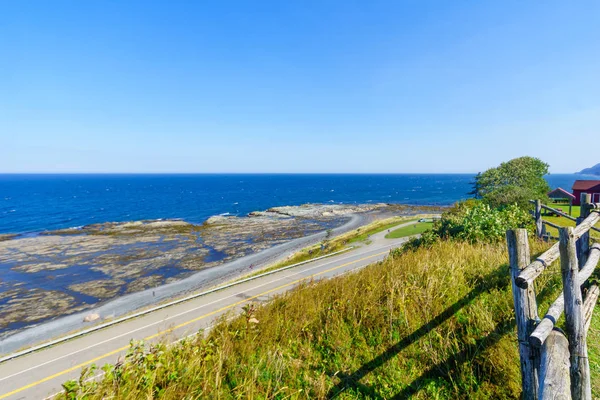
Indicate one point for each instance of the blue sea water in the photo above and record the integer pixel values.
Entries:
(32, 203)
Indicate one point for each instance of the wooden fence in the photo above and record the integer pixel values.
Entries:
(554, 365)
(540, 223)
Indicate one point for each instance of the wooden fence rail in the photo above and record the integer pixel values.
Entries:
(555, 365)
(540, 221)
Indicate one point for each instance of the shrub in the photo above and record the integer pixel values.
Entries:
(478, 222)
(513, 182)
(473, 221)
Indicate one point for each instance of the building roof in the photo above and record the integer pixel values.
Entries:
(585, 185)
(560, 193)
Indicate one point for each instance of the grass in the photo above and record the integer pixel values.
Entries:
(430, 324)
(362, 234)
(575, 210)
(410, 230)
(305, 254)
(562, 221)
(336, 243)
(593, 341)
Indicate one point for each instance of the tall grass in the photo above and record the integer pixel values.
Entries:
(432, 323)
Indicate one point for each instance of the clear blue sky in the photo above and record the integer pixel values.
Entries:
(297, 86)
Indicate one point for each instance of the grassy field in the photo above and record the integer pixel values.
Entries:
(418, 227)
(575, 210)
(562, 221)
(362, 235)
(337, 243)
(431, 324)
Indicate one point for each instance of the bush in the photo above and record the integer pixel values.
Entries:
(474, 221)
(513, 182)
(478, 222)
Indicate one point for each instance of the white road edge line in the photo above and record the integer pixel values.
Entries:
(190, 335)
(138, 314)
(161, 321)
(178, 315)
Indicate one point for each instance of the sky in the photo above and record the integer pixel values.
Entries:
(297, 86)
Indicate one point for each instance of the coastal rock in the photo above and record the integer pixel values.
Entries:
(56, 273)
(324, 210)
(219, 219)
(100, 289)
(31, 306)
(4, 237)
(91, 317)
(145, 283)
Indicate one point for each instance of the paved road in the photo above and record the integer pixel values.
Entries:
(39, 375)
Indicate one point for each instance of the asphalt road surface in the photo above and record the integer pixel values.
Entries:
(39, 375)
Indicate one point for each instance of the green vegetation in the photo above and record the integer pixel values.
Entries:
(306, 254)
(473, 221)
(410, 230)
(562, 221)
(362, 235)
(434, 320)
(575, 210)
(333, 244)
(513, 182)
(593, 340)
(431, 323)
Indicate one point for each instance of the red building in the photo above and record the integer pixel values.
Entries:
(591, 187)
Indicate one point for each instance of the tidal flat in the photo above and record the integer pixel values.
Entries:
(57, 273)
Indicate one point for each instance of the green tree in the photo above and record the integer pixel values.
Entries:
(513, 182)
(475, 185)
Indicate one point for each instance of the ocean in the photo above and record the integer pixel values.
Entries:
(34, 203)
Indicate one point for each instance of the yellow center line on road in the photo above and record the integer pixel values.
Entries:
(113, 352)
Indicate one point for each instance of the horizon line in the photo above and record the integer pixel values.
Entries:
(260, 173)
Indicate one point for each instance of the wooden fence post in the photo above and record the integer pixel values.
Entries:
(525, 311)
(580, 369)
(555, 382)
(544, 233)
(583, 243)
(539, 225)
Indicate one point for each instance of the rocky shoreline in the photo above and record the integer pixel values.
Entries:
(63, 272)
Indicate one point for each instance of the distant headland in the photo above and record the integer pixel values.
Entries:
(595, 170)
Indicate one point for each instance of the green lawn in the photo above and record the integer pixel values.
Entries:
(565, 208)
(562, 221)
(364, 235)
(413, 229)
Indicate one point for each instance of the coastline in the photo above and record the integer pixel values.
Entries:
(201, 280)
(204, 278)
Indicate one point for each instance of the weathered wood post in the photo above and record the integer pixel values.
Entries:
(570, 206)
(544, 233)
(580, 369)
(525, 311)
(555, 382)
(583, 243)
(539, 226)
